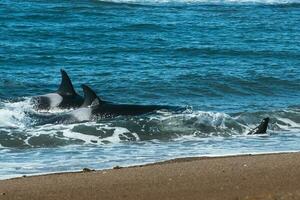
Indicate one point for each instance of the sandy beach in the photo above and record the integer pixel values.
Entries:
(272, 176)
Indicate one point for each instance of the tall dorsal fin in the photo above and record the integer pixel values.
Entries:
(66, 87)
(90, 97)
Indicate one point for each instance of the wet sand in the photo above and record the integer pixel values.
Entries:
(263, 177)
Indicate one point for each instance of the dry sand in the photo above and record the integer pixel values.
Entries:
(273, 176)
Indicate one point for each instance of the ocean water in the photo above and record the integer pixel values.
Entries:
(230, 63)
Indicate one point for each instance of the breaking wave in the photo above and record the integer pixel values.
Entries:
(17, 127)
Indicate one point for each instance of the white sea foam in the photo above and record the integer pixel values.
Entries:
(69, 133)
(12, 115)
(286, 124)
(88, 139)
(162, 125)
(191, 133)
(183, 126)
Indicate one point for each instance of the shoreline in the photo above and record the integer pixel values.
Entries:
(259, 176)
(148, 163)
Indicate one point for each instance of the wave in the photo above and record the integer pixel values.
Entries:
(150, 2)
(12, 114)
(17, 126)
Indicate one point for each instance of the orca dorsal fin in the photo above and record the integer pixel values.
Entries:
(90, 97)
(66, 86)
(261, 128)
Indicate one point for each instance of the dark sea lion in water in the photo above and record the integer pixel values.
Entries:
(261, 128)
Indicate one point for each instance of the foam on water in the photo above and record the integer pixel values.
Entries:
(287, 124)
(12, 115)
(18, 128)
(234, 61)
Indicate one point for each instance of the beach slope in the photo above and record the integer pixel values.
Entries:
(272, 176)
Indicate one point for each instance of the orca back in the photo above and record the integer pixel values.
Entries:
(65, 97)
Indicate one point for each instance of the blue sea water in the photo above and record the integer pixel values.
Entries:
(229, 62)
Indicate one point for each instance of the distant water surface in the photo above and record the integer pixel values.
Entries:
(230, 63)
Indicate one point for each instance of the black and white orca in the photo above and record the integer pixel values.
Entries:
(94, 107)
(108, 109)
(64, 98)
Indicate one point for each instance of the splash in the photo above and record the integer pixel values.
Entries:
(18, 130)
(12, 114)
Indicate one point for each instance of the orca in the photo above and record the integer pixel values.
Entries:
(108, 109)
(93, 107)
(64, 98)
(261, 128)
